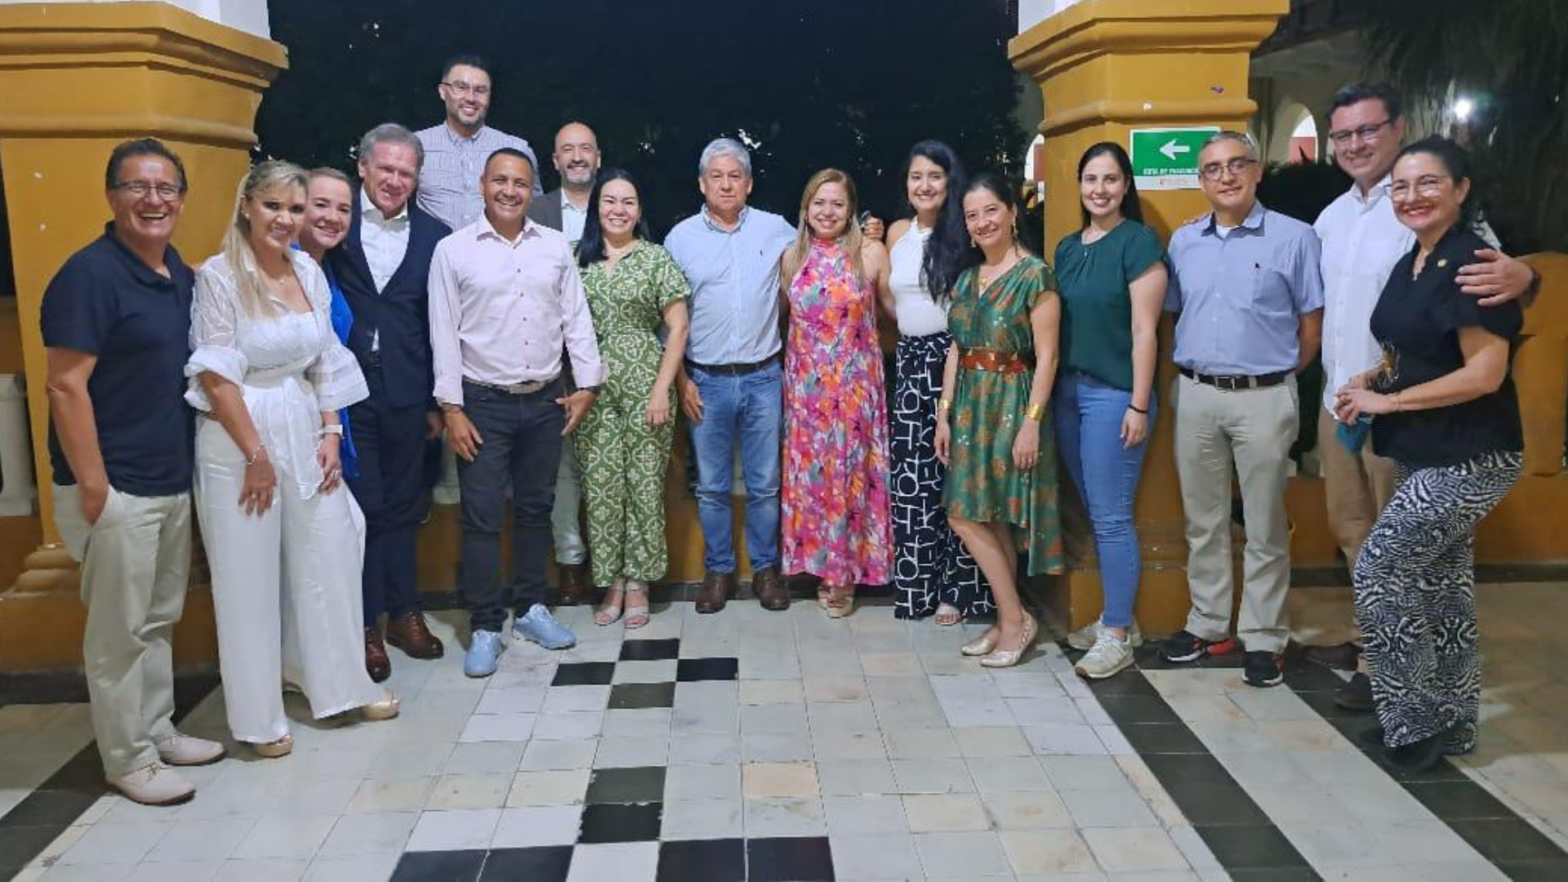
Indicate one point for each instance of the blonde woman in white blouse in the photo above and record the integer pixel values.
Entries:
(285, 541)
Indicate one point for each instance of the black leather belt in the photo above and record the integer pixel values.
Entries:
(1236, 382)
(734, 370)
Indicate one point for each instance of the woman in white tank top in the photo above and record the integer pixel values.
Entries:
(932, 573)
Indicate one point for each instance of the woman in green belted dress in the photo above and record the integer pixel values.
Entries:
(991, 432)
(632, 287)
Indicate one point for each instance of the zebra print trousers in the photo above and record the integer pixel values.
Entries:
(1415, 599)
(930, 563)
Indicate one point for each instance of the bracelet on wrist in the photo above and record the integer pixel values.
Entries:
(1035, 412)
(331, 429)
(1136, 409)
(255, 455)
(944, 404)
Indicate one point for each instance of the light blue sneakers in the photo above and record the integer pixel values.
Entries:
(484, 651)
(542, 628)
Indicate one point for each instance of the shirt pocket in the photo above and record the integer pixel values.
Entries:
(1271, 289)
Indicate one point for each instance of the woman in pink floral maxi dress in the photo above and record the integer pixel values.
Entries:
(837, 520)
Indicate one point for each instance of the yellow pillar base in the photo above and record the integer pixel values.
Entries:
(75, 80)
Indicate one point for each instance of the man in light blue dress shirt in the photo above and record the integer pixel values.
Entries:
(732, 386)
(1247, 285)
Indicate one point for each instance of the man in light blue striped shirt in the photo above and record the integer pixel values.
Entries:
(1247, 286)
(732, 386)
(456, 148)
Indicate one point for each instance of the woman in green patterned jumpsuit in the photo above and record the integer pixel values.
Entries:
(633, 286)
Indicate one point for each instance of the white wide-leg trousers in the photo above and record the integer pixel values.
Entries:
(285, 584)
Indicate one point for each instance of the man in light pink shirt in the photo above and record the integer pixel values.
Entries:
(505, 300)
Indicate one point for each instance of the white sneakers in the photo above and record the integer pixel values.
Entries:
(157, 783)
(187, 750)
(1107, 656)
(1084, 638)
(154, 784)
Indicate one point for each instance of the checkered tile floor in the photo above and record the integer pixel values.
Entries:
(786, 746)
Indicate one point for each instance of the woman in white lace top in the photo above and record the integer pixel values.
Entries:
(285, 541)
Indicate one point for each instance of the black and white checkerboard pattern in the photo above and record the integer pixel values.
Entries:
(626, 805)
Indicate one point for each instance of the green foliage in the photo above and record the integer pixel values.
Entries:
(1511, 58)
(848, 83)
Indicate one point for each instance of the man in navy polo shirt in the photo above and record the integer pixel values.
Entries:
(116, 327)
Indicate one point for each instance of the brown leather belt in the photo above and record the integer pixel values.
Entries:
(996, 362)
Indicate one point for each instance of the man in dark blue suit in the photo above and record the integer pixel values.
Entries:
(383, 266)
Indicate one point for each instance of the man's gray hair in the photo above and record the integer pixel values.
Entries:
(1241, 138)
(724, 147)
(391, 133)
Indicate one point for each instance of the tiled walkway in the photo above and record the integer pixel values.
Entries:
(789, 747)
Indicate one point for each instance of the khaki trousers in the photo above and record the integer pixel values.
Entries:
(1251, 430)
(1355, 487)
(136, 564)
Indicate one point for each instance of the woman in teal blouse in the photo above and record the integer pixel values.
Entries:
(1111, 275)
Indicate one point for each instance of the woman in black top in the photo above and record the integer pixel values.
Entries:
(1446, 412)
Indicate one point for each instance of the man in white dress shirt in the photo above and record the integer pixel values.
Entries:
(1362, 240)
(381, 266)
(505, 300)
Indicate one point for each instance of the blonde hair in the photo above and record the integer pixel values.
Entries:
(264, 177)
(853, 241)
(334, 174)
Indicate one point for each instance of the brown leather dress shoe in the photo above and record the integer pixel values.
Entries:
(409, 633)
(574, 587)
(376, 662)
(770, 590)
(715, 591)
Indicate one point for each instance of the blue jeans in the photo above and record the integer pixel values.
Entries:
(1088, 417)
(749, 410)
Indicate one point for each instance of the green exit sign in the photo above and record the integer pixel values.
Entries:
(1167, 159)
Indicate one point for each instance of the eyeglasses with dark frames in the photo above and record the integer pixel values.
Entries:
(1367, 133)
(1215, 170)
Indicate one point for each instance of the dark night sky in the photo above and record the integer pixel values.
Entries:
(847, 83)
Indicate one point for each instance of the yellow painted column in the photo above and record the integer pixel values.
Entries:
(75, 80)
(1106, 67)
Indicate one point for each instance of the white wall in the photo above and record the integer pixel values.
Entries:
(1032, 12)
(244, 15)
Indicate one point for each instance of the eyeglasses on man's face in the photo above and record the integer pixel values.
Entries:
(139, 189)
(1367, 133)
(462, 88)
(1215, 170)
(1425, 186)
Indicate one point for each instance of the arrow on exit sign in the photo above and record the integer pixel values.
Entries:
(1167, 158)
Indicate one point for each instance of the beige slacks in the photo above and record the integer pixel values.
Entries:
(1251, 430)
(1355, 487)
(136, 563)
